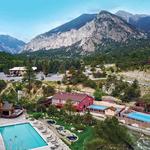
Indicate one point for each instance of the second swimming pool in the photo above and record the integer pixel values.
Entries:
(139, 116)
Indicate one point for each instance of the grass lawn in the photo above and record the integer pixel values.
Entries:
(84, 136)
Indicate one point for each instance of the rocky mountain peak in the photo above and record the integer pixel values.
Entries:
(85, 32)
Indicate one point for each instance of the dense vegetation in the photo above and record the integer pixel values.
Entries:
(108, 134)
(78, 77)
(2, 85)
(111, 136)
(131, 55)
(146, 99)
(123, 90)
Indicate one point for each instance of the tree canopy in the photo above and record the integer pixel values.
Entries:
(110, 135)
(98, 94)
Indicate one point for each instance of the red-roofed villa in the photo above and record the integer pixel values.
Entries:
(80, 101)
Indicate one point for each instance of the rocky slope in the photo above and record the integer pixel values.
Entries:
(10, 44)
(96, 30)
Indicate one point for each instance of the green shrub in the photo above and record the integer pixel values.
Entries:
(18, 86)
(79, 127)
(48, 90)
(68, 89)
(98, 94)
(2, 85)
(37, 115)
(89, 83)
(10, 97)
(38, 83)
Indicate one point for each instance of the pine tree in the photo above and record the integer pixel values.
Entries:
(29, 76)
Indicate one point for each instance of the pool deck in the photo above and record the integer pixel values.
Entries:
(20, 119)
(2, 145)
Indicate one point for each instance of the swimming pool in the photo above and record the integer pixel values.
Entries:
(139, 116)
(97, 107)
(21, 137)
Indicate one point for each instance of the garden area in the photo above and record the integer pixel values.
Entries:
(91, 133)
(80, 125)
(84, 134)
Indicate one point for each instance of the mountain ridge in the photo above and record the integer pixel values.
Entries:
(75, 24)
(140, 21)
(102, 27)
(10, 44)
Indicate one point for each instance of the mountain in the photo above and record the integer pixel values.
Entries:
(140, 21)
(74, 24)
(10, 44)
(86, 33)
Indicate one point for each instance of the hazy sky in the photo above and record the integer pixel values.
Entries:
(25, 19)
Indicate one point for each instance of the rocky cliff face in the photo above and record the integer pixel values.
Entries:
(104, 26)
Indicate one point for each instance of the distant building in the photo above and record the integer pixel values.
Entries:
(80, 101)
(106, 108)
(19, 71)
(107, 66)
(140, 106)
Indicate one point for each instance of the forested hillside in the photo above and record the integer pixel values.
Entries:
(134, 54)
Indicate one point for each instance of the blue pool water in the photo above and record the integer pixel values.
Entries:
(97, 107)
(21, 137)
(139, 116)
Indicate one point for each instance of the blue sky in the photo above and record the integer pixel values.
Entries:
(25, 19)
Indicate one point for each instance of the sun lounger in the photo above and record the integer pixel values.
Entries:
(44, 130)
(35, 122)
(52, 147)
(40, 127)
(54, 140)
(50, 137)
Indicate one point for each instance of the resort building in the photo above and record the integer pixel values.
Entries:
(141, 106)
(19, 71)
(110, 111)
(80, 101)
(7, 110)
(108, 66)
(110, 99)
(106, 108)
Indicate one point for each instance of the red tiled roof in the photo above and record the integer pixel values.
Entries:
(73, 96)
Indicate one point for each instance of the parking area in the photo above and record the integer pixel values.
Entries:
(39, 76)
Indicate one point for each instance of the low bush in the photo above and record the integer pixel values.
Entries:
(79, 127)
(2, 85)
(37, 115)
